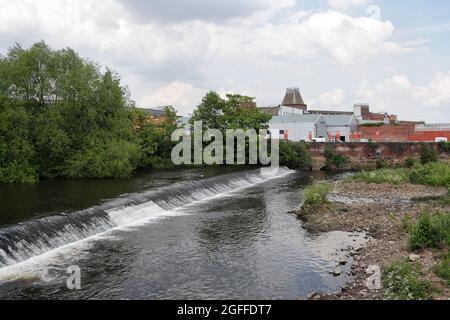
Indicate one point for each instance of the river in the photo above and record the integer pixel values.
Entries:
(202, 233)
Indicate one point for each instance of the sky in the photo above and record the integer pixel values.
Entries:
(393, 55)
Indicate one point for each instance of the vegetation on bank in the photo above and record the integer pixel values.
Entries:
(435, 174)
(316, 194)
(63, 116)
(431, 231)
(295, 155)
(404, 281)
(443, 268)
(333, 160)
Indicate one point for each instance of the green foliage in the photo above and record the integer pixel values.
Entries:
(295, 155)
(373, 145)
(431, 231)
(404, 281)
(443, 268)
(381, 163)
(155, 139)
(411, 162)
(60, 112)
(113, 159)
(334, 161)
(235, 112)
(445, 146)
(317, 193)
(15, 172)
(16, 149)
(407, 223)
(428, 154)
(393, 176)
(436, 174)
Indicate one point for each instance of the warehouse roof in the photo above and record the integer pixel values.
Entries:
(338, 120)
(298, 118)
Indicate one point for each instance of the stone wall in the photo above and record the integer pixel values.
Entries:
(365, 155)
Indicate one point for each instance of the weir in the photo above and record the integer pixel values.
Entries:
(32, 238)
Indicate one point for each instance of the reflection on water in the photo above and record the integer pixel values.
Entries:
(241, 244)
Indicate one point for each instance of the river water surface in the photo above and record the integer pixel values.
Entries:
(203, 233)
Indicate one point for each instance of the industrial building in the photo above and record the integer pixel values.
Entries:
(304, 127)
(296, 123)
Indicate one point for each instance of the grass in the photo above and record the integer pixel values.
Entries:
(404, 281)
(393, 176)
(317, 193)
(435, 174)
(443, 268)
(431, 231)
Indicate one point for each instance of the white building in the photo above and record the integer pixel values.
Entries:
(343, 125)
(299, 127)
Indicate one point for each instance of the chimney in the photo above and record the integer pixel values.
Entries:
(294, 99)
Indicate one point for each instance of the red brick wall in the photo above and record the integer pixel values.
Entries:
(365, 155)
(400, 132)
(428, 136)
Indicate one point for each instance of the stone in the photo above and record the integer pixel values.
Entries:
(342, 261)
(414, 258)
(336, 272)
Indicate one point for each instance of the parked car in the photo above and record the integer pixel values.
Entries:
(441, 139)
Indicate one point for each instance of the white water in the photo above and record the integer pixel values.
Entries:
(31, 256)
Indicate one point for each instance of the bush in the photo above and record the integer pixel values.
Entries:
(381, 163)
(435, 174)
(113, 159)
(428, 154)
(443, 268)
(16, 172)
(295, 155)
(394, 176)
(430, 232)
(411, 162)
(403, 281)
(432, 174)
(334, 161)
(445, 146)
(317, 193)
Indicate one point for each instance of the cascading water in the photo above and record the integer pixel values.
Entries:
(36, 237)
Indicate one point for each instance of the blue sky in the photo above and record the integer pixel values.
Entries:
(393, 55)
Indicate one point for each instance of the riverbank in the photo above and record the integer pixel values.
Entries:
(384, 212)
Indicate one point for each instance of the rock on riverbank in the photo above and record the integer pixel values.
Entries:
(379, 210)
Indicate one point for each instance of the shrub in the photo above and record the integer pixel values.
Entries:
(16, 172)
(443, 268)
(317, 193)
(334, 161)
(445, 146)
(428, 154)
(381, 163)
(114, 159)
(434, 174)
(403, 281)
(430, 231)
(411, 162)
(294, 155)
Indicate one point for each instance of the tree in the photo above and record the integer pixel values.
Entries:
(155, 139)
(235, 112)
(60, 113)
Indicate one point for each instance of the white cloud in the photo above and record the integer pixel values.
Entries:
(183, 96)
(330, 100)
(344, 4)
(429, 102)
(175, 62)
